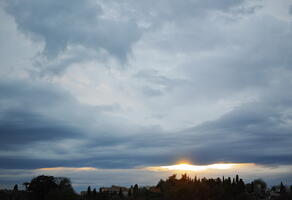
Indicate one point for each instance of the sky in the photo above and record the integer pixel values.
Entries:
(101, 90)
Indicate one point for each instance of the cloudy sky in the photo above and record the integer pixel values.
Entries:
(119, 86)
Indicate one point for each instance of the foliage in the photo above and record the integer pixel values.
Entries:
(51, 188)
(173, 188)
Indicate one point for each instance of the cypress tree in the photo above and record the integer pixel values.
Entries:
(88, 194)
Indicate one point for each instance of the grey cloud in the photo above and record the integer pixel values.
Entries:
(104, 25)
(105, 145)
(154, 77)
(157, 12)
(261, 59)
(65, 23)
(148, 91)
(32, 112)
(30, 163)
(21, 128)
(156, 84)
(39, 117)
(73, 55)
(223, 59)
(255, 132)
(28, 93)
(24, 116)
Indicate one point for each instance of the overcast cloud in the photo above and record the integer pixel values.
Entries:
(125, 84)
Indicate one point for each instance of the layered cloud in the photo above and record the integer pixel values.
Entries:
(127, 84)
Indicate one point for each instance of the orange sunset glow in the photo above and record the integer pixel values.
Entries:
(68, 168)
(191, 167)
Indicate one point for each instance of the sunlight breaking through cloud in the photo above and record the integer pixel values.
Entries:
(68, 169)
(190, 167)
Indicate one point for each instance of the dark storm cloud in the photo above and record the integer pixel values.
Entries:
(63, 23)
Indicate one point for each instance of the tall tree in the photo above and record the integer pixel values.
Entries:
(88, 194)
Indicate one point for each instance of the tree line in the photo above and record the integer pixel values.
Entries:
(173, 188)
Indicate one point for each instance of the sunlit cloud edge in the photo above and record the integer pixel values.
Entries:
(191, 167)
(175, 167)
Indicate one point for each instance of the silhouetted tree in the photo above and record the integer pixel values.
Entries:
(26, 184)
(185, 188)
(260, 184)
(241, 185)
(282, 188)
(229, 180)
(94, 194)
(135, 190)
(88, 193)
(41, 186)
(259, 188)
(160, 185)
(49, 187)
(15, 188)
(252, 187)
